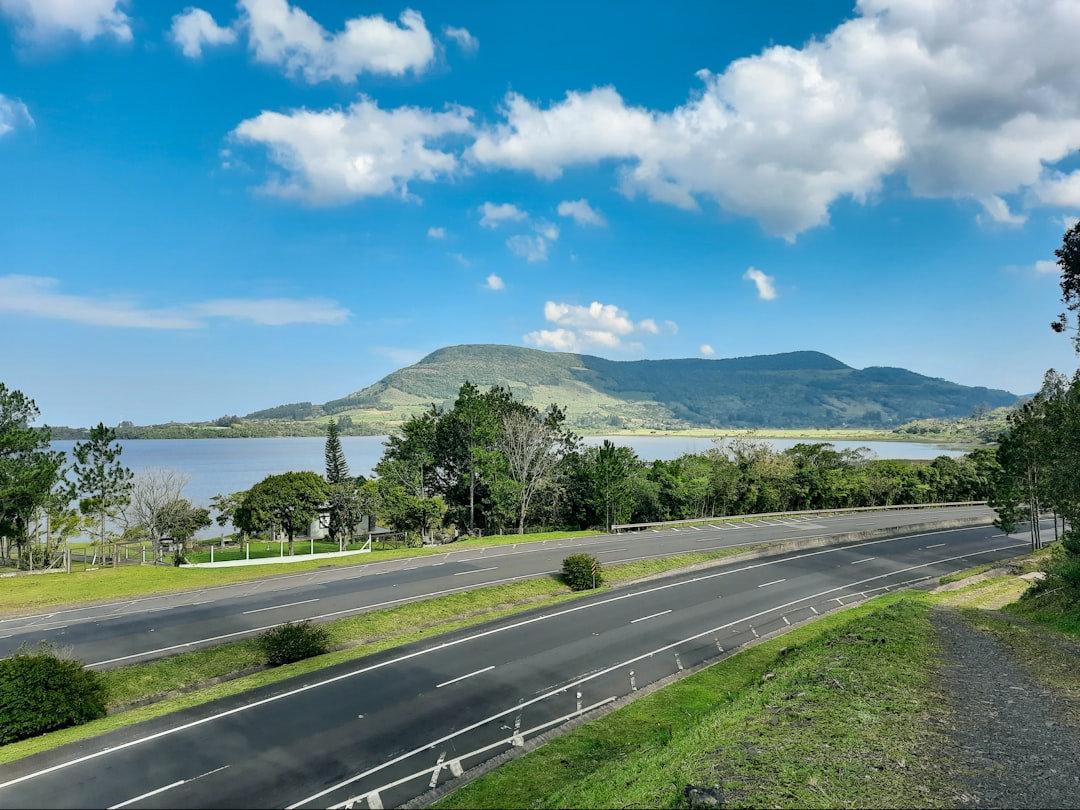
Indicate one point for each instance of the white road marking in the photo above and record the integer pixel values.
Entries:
(650, 616)
(276, 607)
(167, 787)
(939, 545)
(502, 629)
(463, 677)
(865, 559)
(774, 582)
(475, 571)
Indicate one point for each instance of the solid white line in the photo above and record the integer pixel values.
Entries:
(167, 787)
(475, 571)
(505, 628)
(939, 545)
(650, 616)
(774, 582)
(463, 677)
(865, 559)
(275, 607)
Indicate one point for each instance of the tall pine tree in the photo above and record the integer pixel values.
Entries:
(337, 469)
(103, 483)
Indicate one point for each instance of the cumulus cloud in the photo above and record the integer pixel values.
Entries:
(194, 28)
(597, 326)
(530, 248)
(362, 151)
(581, 212)
(492, 214)
(707, 350)
(40, 297)
(46, 19)
(13, 113)
(466, 41)
(1058, 190)
(962, 98)
(493, 282)
(548, 230)
(1046, 267)
(285, 35)
(765, 284)
(436, 233)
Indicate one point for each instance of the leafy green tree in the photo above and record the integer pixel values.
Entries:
(226, 506)
(346, 508)
(611, 468)
(182, 521)
(289, 501)
(31, 474)
(1068, 259)
(337, 468)
(102, 481)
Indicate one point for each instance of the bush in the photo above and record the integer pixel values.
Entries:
(582, 572)
(293, 641)
(40, 692)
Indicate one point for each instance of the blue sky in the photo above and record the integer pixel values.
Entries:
(212, 209)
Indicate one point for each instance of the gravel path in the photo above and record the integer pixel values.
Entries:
(1014, 742)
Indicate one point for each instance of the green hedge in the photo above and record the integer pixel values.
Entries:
(582, 572)
(294, 641)
(40, 692)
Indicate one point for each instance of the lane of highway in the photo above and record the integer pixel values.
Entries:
(134, 630)
(379, 732)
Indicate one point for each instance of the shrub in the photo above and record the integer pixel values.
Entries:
(40, 692)
(293, 641)
(582, 572)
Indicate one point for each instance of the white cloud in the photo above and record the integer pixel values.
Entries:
(765, 284)
(275, 311)
(707, 350)
(285, 35)
(1045, 267)
(436, 233)
(13, 113)
(672, 327)
(39, 297)
(45, 19)
(962, 98)
(582, 212)
(362, 151)
(997, 210)
(194, 28)
(1059, 190)
(530, 248)
(493, 282)
(548, 230)
(491, 214)
(466, 41)
(461, 258)
(597, 326)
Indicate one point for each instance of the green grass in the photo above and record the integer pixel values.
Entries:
(824, 716)
(20, 595)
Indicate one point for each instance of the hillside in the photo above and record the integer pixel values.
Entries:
(792, 390)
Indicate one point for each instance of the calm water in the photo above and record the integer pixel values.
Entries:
(231, 465)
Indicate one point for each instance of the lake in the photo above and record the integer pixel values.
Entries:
(232, 465)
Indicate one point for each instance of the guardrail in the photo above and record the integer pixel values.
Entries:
(617, 527)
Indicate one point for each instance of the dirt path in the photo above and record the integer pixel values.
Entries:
(1013, 740)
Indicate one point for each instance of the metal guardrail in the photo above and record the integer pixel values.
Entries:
(616, 527)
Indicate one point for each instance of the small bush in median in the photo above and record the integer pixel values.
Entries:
(582, 572)
(40, 692)
(294, 641)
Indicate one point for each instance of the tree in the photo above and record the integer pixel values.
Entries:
(1068, 259)
(289, 501)
(152, 492)
(611, 468)
(337, 469)
(102, 480)
(182, 521)
(226, 506)
(346, 508)
(31, 474)
(533, 443)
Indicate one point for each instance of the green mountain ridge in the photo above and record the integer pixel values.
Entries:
(801, 389)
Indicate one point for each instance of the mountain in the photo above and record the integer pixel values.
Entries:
(803, 389)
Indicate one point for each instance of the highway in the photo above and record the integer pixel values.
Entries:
(381, 731)
(133, 630)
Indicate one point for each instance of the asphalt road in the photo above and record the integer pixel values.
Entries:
(134, 630)
(383, 730)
